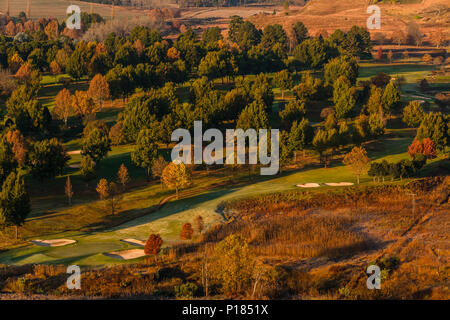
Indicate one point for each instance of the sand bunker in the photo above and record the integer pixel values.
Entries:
(134, 242)
(339, 184)
(53, 243)
(126, 254)
(75, 166)
(308, 185)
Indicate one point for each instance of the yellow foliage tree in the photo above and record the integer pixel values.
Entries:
(176, 176)
(84, 105)
(173, 54)
(357, 160)
(63, 105)
(233, 265)
(55, 68)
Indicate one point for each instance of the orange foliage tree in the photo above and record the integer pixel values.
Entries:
(153, 245)
(63, 105)
(19, 146)
(24, 72)
(186, 231)
(84, 105)
(426, 147)
(99, 89)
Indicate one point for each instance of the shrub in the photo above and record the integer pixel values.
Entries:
(186, 291)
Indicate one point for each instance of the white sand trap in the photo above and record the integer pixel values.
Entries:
(339, 184)
(126, 254)
(134, 242)
(74, 152)
(75, 166)
(308, 185)
(52, 243)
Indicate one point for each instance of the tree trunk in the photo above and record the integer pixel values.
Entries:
(357, 178)
(177, 193)
(17, 232)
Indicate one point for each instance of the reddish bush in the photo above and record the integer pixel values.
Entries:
(153, 244)
(186, 232)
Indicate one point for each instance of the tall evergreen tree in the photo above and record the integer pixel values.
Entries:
(14, 202)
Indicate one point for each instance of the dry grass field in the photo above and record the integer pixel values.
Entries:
(310, 246)
(57, 8)
(322, 15)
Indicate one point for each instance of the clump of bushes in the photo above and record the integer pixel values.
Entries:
(401, 169)
(187, 290)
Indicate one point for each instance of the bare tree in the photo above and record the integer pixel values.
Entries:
(414, 33)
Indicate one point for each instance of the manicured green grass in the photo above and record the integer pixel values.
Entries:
(411, 71)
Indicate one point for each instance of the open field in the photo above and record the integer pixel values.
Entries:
(57, 9)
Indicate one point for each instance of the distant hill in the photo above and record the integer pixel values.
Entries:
(325, 16)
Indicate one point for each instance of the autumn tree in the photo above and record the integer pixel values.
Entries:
(99, 89)
(19, 146)
(427, 58)
(426, 148)
(357, 160)
(24, 72)
(102, 189)
(199, 224)
(158, 167)
(14, 202)
(146, 151)
(439, 38)
(176, 176)
(68, 190)
(116, 134)
(233, 264)
(122, 176)
(84, 105)
(63, 105)
(415, 35)
(153, 245)
(399, 37)
(15, 62)
(186, 231)
(52, 29)
(110, 192)
(55, 68)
